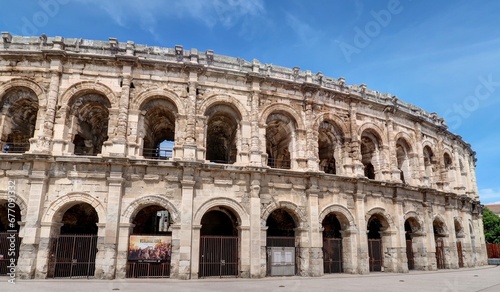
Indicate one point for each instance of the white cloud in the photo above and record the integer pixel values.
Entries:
(489, 196)
(224, 12)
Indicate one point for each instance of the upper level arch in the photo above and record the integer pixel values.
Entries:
(284, 110)
(157, 93)
(38, 91)
(209, 106)
(19, 107)
(335, 121)
(88, 87)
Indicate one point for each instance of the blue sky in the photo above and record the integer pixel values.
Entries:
(442, 56)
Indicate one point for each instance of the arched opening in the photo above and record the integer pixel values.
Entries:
(330, 142)
(222, 134)
(159, 128)
(19, 108)
(459, 234)
(448, 168)
(403, 160)
(332, 244)
(279, 136)
(370, 145)
(375, 247)
(219, 244)
(280, 243)
(429, 163)
(74, 250)
(439, 233)
(150, 244)
(10, 215)
(409, 244)
(88, 121)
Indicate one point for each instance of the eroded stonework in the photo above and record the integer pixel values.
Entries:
(82, 122)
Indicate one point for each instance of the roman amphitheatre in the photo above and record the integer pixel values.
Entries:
(130, 160)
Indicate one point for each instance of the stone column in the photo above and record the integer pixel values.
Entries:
(363, 266)
(186, 225)
(422, 176)
(451, 261)
(190, 147)
(350, 250)
(122, 249)
(314, 231)
(392, 161)
(257, 265)
(302, 245)
(30, 243)
(117, 143)
(108, 253)
(44, 142)
(49, 232)
(255, 140)
(399, 239)
(195, 251)
(355, 151)
(430, 242)
(244, 251)
(420, 257)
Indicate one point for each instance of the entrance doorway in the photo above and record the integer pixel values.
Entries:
(218, 245)
(332, 245)
(73, 253)
(375, 244)
(10, 215)
(409, 245)
(439, 233)
(150, 244)
(280, 244)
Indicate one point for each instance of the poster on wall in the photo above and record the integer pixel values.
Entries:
(150, 248)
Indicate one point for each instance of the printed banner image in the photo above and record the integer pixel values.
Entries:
(150, 248)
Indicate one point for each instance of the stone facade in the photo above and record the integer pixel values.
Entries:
(249, 138)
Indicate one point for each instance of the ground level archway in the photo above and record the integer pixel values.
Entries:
(280, 242)
(219, 244)
(332, 245)
(73, 252)
(150, 244)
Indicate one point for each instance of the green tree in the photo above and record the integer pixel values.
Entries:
(491, 224)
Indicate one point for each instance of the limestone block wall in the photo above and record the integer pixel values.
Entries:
(247, 138)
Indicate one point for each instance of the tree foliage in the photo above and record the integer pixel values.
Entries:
(491, 224)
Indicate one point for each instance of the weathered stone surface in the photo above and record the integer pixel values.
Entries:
(245, 138)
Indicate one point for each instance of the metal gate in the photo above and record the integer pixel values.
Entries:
(148, 270)
(460, 255)
(73, 256)
(281, 256)
(409, 255)
(440, 253)
(375, 254)
(9, 248)
(218, 256)
(332, 255)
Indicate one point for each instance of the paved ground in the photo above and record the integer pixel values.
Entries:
(477, 279)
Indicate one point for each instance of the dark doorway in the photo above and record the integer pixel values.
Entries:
(439, 232)
(218, 245)
(375, 244)
(409, 246)
(74, 251)
(332, 245)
